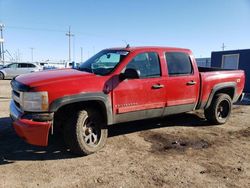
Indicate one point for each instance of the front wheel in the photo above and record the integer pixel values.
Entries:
(1, 76)
(219, 110)
(85, 132)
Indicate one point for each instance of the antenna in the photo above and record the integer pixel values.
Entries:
(127, 44)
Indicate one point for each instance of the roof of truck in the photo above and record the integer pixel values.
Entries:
(134, 48)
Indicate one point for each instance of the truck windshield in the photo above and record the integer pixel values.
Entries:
(103, 62)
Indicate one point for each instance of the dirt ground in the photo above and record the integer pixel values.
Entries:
(177, 151)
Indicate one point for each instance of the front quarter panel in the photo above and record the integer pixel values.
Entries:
(3, 72)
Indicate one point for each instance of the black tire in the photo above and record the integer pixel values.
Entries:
(219, 110)
(1, 76)
(85, 132)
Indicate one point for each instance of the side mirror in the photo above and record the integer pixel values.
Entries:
(130, 74)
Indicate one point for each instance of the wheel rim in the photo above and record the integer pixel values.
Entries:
(91, 133)
(223, 109)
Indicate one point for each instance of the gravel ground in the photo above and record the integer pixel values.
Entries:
(177, 151)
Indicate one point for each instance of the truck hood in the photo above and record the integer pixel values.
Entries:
(52, 76)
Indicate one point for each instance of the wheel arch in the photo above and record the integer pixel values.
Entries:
(227, 88)
(99, 101)
(4, 75)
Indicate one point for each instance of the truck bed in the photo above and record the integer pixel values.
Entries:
(212, 78)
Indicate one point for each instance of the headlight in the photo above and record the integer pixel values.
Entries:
(34, 101)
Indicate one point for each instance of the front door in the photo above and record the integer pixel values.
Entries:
(11, 70)
(135, 99)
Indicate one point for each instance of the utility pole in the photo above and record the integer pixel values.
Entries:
(74, 57)
(1, 44)
(69, 34)
(81, 56)
(32, 54)
(17, 55)
(223, 46)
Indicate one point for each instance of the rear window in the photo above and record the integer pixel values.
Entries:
(178, 63)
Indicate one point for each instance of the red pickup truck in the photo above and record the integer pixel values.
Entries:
(118, 85)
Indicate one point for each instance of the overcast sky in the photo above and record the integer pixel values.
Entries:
(201, 26)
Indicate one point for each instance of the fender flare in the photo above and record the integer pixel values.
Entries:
(218, 87)
(84, 97)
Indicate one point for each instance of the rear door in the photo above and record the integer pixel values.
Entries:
(22, 68)
(31, 67)
(182, 83)
(135, 99)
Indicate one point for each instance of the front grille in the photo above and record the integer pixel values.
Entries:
(17, 89)
(16, 93)
(16, 96)
(17, 104)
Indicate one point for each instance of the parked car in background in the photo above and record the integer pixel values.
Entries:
(14, 69)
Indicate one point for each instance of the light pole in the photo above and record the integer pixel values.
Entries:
(1, 43)
(69, 34)
(81, 55)
(223, 46)
(32, 54)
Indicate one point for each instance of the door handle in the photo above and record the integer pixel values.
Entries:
(157, 86)
(191, 83)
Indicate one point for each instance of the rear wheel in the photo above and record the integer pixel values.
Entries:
(219, 110)
(85, 132)
(1, 76)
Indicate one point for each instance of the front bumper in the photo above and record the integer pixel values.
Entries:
(34, 132)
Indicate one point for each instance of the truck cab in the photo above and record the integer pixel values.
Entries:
(118, 85)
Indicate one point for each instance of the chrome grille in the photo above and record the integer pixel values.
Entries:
(16, 96)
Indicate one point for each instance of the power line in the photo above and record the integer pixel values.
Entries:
(9, 54)
(79, 33)
(35, 29)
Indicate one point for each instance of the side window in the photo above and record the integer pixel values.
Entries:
(22, 65)
(31, 66)
(178, 63)
(147, 63)
(13, 66)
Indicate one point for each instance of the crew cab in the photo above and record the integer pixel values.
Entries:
(118, 85)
